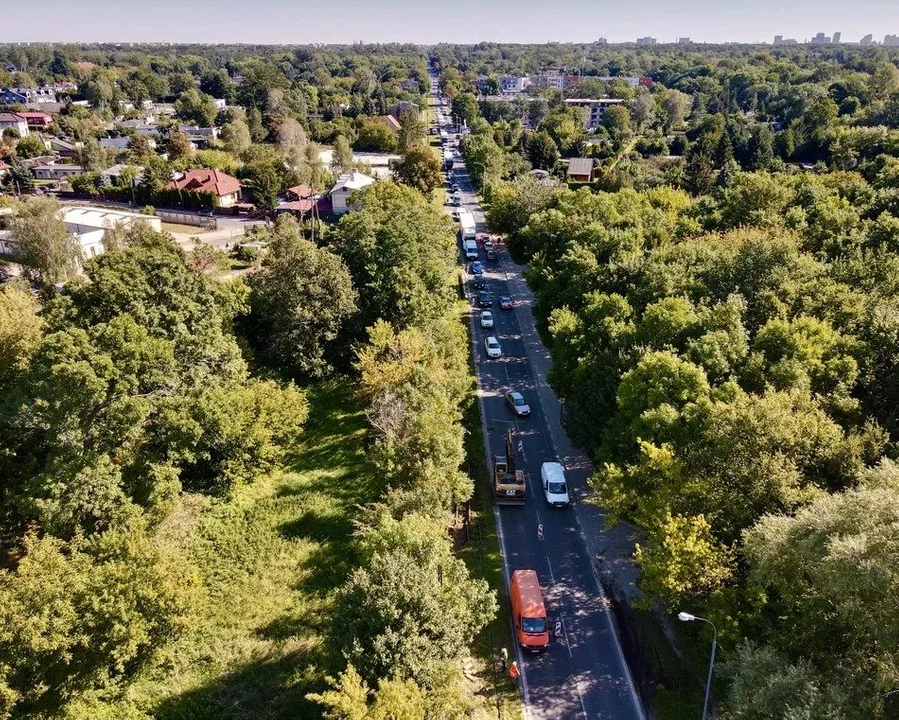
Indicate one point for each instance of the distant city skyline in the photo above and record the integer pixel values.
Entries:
(466, 21)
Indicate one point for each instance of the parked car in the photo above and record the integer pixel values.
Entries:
(505, 303)
(494, 350)
(486, 319)
(517, 404)
(552, 476)
(476, 268)
(485, 299)
(491, 255)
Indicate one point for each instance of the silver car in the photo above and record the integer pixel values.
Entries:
(517, 404)
(493, 348)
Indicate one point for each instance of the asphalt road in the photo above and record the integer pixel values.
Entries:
(583, 674)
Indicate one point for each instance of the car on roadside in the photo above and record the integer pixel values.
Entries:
(476, 268)
(486, 319)
(517, 404)
(491, 255)
(485, 299)
(505, 303)
(493, 348)
(555, 488)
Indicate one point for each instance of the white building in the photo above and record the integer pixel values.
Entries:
(346, 185)
(513, 83)
(596, 108)
(646, 40)
(13, 121)
(88, 225)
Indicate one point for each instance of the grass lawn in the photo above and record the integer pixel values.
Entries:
(270, 561)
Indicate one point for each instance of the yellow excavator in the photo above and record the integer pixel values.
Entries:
(509, 487)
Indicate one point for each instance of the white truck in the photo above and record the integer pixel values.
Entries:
(467, 227)
(448, 160)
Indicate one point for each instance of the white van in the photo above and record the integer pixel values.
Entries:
(471, 249)
(555, 488)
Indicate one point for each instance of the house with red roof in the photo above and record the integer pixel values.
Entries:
(225, 188)
(36, 120)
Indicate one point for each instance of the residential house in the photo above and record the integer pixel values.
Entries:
(580, 169)
(121, 143)
(13, 121)
(390, 121)
(55, 172)
(596, 108)
(220, 103)
(299, 192)
(411, 85)
(141, 126)
(200, 137)
(115, 176)
(346, 185)
(225, 188)
(66, 149)
(36, 120)
(51, 108)
(398, 109)
(23, 96)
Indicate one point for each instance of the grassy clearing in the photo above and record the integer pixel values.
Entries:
(483, 558)
(182, 229)
(270, 561)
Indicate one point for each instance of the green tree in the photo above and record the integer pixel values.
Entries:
(85, 617)
(292, 141)
(21, 329)
(542, 150)
(263, 183)
(18, 177)
(46, 248)
(29, 147)
(401, 252)
(236, 136)
(374, 136)
(196, 107)
(617, 120)
(179, 146)
(342, 161)
(418, 167)
(91, 156)
(412, 606)
(300, 300)
(413, 131)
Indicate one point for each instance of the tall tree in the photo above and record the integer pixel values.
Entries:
(49, 251)
(300, 299)
(418, 167)
(342, 159)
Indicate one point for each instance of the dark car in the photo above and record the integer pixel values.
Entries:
(455, 187)
(476, 268)
(491, 255)
(505, 303)
(480, 282)
(485, 299)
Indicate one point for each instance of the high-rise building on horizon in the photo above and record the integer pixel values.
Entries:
(683, 41)
(779, 40)
(646, 41)
(866, 40)
(891, 40)
(820, 39)
(836, 38)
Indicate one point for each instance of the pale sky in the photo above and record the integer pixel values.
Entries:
(426, 22)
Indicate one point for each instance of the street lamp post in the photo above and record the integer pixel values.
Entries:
(687, 617)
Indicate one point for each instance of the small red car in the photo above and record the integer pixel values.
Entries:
(505, 303)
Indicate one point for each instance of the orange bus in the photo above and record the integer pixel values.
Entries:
(528, 611)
